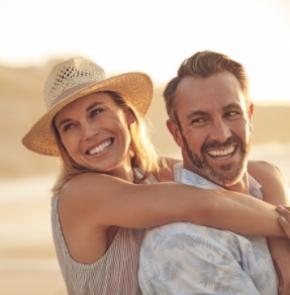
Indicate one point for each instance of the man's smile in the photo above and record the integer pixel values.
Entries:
(222, 153)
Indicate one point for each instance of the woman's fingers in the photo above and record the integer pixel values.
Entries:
(284, 219)
(285, 225)
(284, 211)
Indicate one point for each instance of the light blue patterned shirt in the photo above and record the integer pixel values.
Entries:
(183, 258)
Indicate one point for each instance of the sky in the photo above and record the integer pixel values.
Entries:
(154, 36)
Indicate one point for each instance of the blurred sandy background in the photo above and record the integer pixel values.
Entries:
(27, 259)
(127, 35)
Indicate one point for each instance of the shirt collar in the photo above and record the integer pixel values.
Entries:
(191, 178)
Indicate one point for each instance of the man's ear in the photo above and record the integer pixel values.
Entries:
(175, 132)
(250, 114)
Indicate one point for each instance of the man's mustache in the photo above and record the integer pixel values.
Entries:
(234, 139)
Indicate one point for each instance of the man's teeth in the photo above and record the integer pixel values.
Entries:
(100, 148)
(222, 153)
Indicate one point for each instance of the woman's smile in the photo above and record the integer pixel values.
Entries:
(101, 147)
(96, 133)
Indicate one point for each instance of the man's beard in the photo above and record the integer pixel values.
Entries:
(227, 174)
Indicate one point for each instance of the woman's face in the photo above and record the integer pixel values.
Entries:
(94, 131)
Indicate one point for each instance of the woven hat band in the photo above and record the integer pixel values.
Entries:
(71, 74)
(77, 78)
(67, 92)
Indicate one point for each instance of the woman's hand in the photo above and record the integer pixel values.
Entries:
(282, 259)
(275, 191)
(280, 248)
(284, 219)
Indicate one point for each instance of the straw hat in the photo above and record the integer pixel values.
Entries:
(73, 79)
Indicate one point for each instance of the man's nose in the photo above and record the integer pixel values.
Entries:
(220, 131)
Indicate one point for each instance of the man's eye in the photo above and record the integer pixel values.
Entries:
(232, 114)
(198, 121)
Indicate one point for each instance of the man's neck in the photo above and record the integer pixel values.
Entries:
(242, 185)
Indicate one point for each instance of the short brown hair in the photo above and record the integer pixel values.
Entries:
(204, 64)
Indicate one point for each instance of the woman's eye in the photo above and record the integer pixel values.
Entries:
(95, 112)
(68, 127)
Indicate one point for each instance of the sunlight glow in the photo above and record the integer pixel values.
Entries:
(154, 36)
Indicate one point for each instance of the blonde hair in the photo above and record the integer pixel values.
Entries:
(204, 64)
(143, 153)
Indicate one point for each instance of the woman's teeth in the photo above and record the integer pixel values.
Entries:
(100, 148)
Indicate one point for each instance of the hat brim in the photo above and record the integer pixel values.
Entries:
(135, 88)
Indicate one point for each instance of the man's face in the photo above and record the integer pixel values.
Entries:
(213, 127)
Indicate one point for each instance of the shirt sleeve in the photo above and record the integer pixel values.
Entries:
(182, 261)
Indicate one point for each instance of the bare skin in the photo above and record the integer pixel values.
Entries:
(93, 205)
(275, 191)
(213, 126)
(90, 204)
(284, 219)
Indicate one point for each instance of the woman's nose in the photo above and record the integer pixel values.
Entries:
(89, 130)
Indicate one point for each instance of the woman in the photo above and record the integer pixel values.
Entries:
(98, 211)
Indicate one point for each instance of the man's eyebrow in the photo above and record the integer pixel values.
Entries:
(196, 113)
(232, 106)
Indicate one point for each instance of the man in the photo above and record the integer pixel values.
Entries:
(210, 118)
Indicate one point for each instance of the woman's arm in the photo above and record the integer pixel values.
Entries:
(103, 200)
(275, 190)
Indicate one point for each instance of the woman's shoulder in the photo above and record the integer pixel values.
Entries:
(86, 190)
(85, 181)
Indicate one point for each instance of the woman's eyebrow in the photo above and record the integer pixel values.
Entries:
(90, 107)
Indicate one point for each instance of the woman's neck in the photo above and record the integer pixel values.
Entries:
(124, 171)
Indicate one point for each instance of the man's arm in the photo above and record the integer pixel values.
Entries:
(187, 259)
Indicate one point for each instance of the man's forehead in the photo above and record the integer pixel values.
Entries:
(205, 94)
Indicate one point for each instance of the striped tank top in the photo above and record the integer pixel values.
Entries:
(115, 273)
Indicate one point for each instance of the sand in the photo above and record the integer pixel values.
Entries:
(30, 276)
(28, 263)
(27, 259)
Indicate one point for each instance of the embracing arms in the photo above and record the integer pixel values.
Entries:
(102, 200)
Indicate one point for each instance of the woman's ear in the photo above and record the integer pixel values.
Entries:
(130, 117)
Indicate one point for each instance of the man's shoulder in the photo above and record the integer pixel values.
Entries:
(171, 229)
(179, 234)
